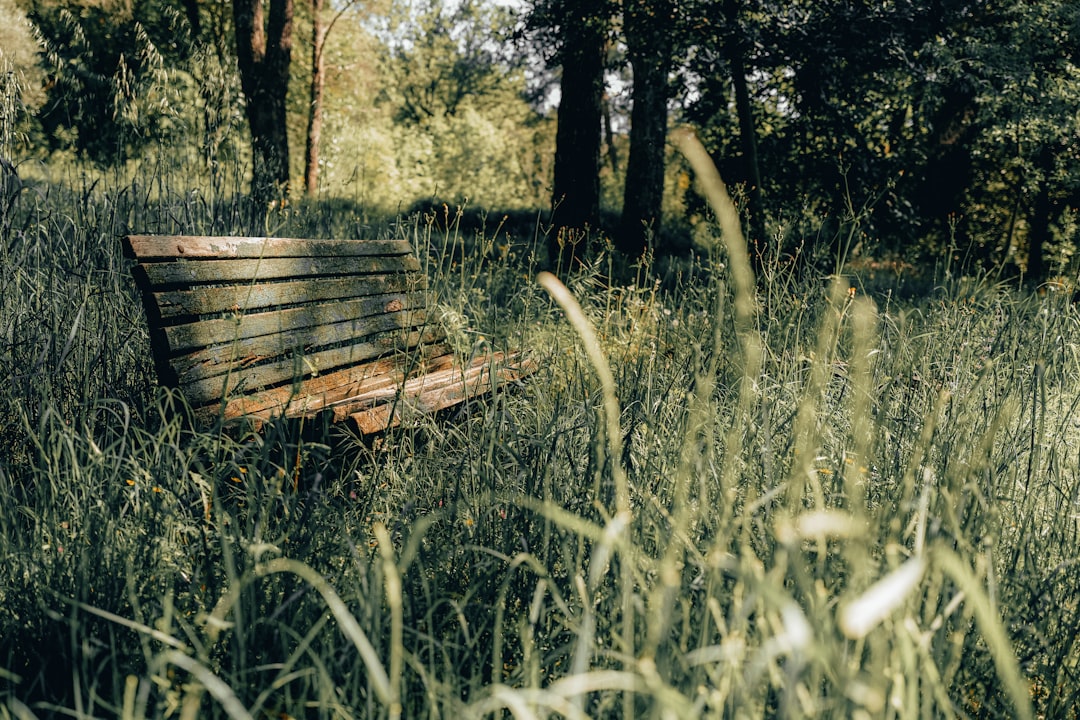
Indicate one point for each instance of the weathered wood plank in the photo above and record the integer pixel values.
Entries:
(436, 375)
(171, 274)
(203, 333)
(316, 394)
(251, 379)
(236, 356)
(169, 247)
(378, 392)
(440, 389)
(207, 301)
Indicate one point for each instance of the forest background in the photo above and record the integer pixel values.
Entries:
(901, 129)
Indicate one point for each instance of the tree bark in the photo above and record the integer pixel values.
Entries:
(318, 78)
(949, 169)
(609, 136)
(191, 9)
(649, 25)
(576, 192)
(748, 141)
(264, 52)
(1041, 219)
(747, 130)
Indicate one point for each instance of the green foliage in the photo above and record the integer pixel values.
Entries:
(438, 58)
(1024, 85)
(109, 65)
(441, 117)
(940, 128)
(133, 85)
(498, 162)
(491, 150)
(947, 122)
(19, 54)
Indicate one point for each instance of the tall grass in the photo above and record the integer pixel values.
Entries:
(722, 497)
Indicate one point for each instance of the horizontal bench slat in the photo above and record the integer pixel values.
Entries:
(439, 389)
(313, 395)
(207, 301)
(253, 378)
(161, 275)
(238, 355)
(204, 333)
(148, 248)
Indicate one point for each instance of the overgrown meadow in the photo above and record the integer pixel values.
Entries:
(785, 496)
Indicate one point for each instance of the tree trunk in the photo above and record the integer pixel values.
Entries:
(747, 131)
(649, 25)
(314, 134)
(748, 141)
(1041, 219)
(938, 195)
(263, 56)
(191, 9)
(576, 192)
(609, 137)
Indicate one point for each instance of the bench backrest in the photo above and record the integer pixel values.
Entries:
(268, 326)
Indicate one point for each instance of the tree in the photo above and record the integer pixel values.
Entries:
(109, 67)
(649, 31)
(1025, 119)
(453, 85)
(320, 31)
(264, 53)
(737, 49)
(439, 57)
(739, 75)
(832, 104)
(581, 29)
(318, 82)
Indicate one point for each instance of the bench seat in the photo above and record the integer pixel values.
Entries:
(258, 328)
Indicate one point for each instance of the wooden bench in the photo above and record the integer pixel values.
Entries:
(258, 328)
